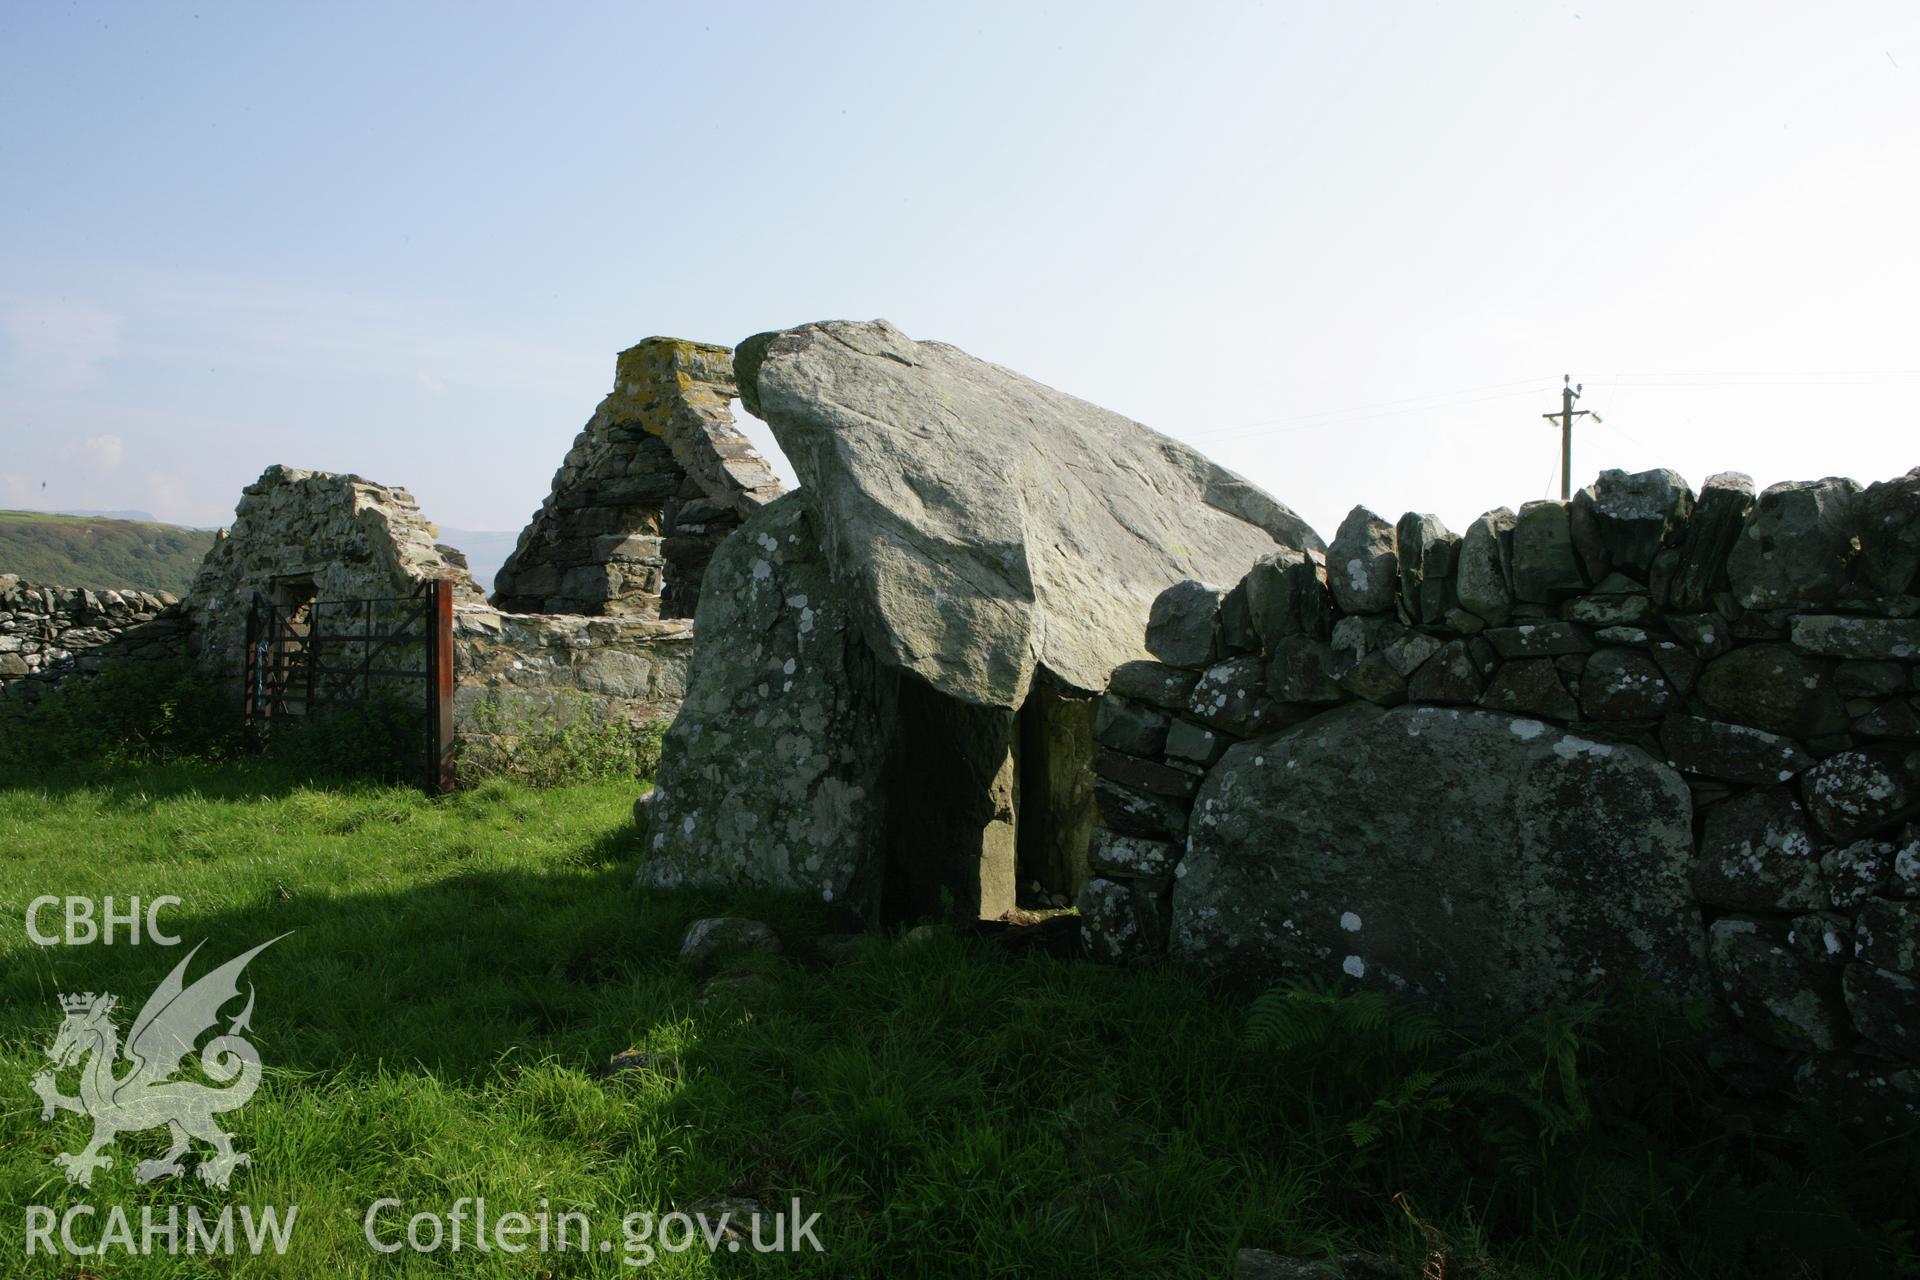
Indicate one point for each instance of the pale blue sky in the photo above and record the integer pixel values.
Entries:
(1348, 249)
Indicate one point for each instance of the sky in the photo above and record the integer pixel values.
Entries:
(1348, 250)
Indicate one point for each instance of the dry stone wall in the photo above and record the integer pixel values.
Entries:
(1647, 733)
(340, 537)
(52, 634)
(657, 478)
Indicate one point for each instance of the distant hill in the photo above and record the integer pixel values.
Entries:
(486, 550)
(93, 551)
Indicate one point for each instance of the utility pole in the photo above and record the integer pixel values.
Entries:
(1568, 394)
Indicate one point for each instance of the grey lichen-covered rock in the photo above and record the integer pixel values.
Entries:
(1131, 857)
(1195, 743)
(1725, 501)
(1540, 640)
(769, 774)
(1821, 937)
(1127, 726)
(1232, 696)
(1888, 519)
(1843, 637)
(1183, 624)
(1465, 857)
(1628, 518)
(1857, 871)
(1623, 684)
(1145, 680)
(985, 524)
(1122, 920)
(707, 942)
(1777, 996)
(1887, 935)
(1426, 549)
(1734, 752)
(1529, 687)
(1885, 1008)
(1480, 578)
(1855, 792)
(1301, 670)
(1796, 548)
(1545, 567)
(1276, 588)
(1771, 687)
(1756, 854)
(1363, 570)
(1456, 675)
(1264, 1264)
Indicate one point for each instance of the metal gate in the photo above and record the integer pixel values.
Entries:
(327, 656)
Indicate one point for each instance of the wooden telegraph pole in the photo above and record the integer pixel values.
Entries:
(1568, 394)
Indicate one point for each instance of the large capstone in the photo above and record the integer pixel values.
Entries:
(1463, 857)
(984, 524)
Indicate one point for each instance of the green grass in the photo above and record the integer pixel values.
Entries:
(458, 967)
(96, 552)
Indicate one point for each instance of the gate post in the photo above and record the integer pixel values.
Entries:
(440, 777)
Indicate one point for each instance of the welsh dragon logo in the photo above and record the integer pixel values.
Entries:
(146, 1096)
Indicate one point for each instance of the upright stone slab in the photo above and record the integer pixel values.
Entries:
(770, 774)
(1462, 857)
(1797, 547)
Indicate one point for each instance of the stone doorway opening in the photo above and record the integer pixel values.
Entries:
(989, 811)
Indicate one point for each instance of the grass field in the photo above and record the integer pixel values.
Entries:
(456, 970)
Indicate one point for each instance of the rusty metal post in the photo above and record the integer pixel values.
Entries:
(440, 779)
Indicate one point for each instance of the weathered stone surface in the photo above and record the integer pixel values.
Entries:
(1183, 625)
(1885, 1008)
(1777, 997)
(1131, 857)
(1376, 679)
(1706, 634)
(1481, 578)
(707, 942)
(659, 475)
(1756, 854)
(1461, 856)
(1156, 683)
(1856, 792)
(1134, 813)
(1796, 547)
(1301, 671)
(1887, 935)
(1869, 679)
(978, 544)
(1608, 610)
(1362, 568)
(1353, 638)
(1196, 743)
(1529, 687)
(1426, 548)
(1232, 696)
(1841, 637)
(1237, 634)
(1145, 775)
(1857, 871)
(769, 775)
(1888, 518)
(1406, 650)
(1453, 676)
(1623, 684)
(1678, 664)
(1632, 517)
(1121, 921)
(1264, 1264)
(1735, 752)
(1725, 502)
(1771, 687)
(1896, 718)
(1545, 568)
(1127, 726)
(1539, 640)
(1275, 587)
(1821, 937)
